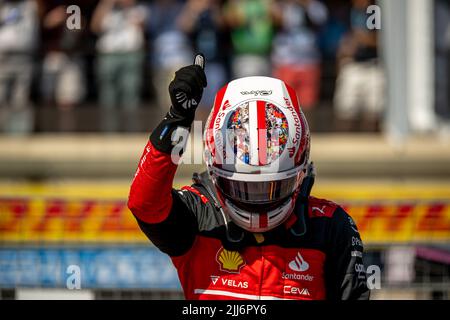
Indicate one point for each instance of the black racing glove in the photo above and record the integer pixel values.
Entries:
(185, 91)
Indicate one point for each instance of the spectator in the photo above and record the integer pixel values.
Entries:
(296, 57)
(170, 48)
(63, 69)
(251, 23)
(203, 22)
(360, 81)
(119, 24)
(18, 26)
(333, 30)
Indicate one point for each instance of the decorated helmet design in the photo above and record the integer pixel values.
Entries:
(256, 149)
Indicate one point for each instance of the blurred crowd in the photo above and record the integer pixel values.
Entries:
(122, 55)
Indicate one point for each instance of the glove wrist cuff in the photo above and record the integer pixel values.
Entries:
(162, 136)
(184, 117)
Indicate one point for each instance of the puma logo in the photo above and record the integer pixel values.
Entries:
(321, 210)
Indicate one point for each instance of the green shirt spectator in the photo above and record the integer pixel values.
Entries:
(251, 26)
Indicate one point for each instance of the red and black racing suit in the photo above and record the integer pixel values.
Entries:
(324, 263)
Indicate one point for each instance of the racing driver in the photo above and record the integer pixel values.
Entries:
(247, 228)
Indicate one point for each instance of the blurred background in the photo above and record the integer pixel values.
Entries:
(82, 86)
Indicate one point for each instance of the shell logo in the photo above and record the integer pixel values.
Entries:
(229, 261)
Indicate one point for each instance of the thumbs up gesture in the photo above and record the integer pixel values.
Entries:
(186, 89)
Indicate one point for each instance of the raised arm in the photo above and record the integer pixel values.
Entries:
(159, 209)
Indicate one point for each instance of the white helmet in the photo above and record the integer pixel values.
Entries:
(257, 150)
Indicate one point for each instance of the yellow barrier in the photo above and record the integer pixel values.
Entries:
(71, 213)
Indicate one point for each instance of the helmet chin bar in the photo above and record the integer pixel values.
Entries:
(251, 221)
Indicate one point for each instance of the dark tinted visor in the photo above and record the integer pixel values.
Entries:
(257, 192)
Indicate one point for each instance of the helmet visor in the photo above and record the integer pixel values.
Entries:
(257, 192)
